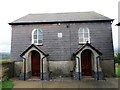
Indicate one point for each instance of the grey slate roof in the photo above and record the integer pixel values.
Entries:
(61, 17)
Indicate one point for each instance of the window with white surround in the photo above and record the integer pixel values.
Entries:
(37, 37)
(84, 35)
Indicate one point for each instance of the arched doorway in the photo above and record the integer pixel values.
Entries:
(86, 63)
(35, 63)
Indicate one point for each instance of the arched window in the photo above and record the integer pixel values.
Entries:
(37, 37)
(84, 35)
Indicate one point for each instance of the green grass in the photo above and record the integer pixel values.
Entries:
(6, 85)
(117, 70)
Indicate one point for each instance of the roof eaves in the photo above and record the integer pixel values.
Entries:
(51, 22)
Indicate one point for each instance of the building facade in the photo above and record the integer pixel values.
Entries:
(63, 44)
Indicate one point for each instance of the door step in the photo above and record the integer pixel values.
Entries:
(87, 78)
(34, 78)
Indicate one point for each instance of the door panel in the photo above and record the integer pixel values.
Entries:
(35, 61)
(86, 63)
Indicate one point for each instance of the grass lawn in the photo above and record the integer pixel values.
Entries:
(117, 70)
(6, 85)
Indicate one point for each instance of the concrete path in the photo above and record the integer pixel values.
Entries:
(85, 83)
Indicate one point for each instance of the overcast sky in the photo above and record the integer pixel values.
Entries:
(11, 10)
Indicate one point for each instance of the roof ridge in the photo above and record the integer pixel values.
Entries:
(61, 12)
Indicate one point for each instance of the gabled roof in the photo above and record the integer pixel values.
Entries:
(61, 17)
(87, 44)
(32, 45)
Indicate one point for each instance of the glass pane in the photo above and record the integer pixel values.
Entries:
(80, 39)
(35, 41)
(35, 36)
(85, 30)
(81, 30)
(40, 32)
(86, 35)
(81, 35)
(35, 32)
(40, 37)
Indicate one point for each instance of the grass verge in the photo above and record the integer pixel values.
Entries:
(117, 70)
(6, 85)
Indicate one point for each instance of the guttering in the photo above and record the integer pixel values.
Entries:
(97, 63)
(42, 64)
(24, 68)
(78, 65)
(53, 22)
(74, 55)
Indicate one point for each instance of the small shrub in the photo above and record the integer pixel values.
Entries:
(4, 73)
(6, 69)
(117, 58)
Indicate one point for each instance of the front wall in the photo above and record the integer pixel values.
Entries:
(107, 67)
(62, 48)
(101, 39)
(65, 67)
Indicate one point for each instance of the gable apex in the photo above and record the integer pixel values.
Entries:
(36, 47)
(85, 45)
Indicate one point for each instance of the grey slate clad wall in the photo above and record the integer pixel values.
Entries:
(62, 48)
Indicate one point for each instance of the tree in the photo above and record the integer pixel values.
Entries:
(117, 58)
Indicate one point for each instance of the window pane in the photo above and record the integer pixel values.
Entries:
(40, 32)
(35, 41)
(40, 37)
(35, 32)
(80, 39)
(81, 30)
(35, 36)
(81, 35)
(86, 30)
(85, 35)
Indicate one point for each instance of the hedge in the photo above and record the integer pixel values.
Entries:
(7, 69)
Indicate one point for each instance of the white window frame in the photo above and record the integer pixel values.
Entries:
(37, 37)
(88, 31)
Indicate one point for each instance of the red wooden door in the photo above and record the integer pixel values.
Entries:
(86, 63)
(35, 61)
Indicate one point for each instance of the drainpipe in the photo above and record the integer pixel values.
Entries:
(78, 65)
(42, 64)
(97, 58)
(24, 68)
